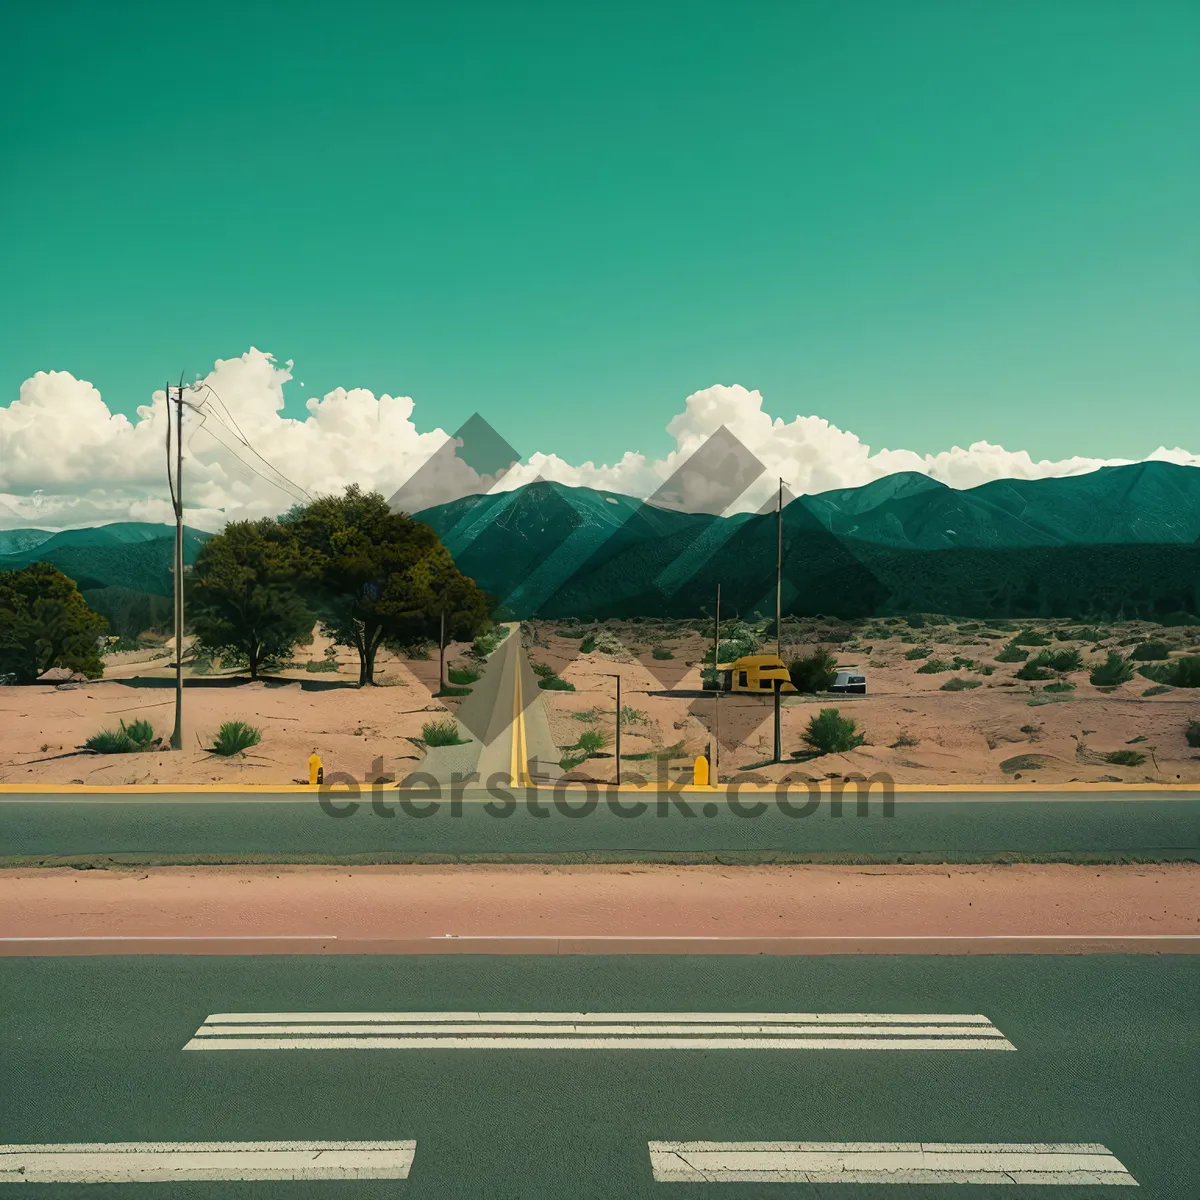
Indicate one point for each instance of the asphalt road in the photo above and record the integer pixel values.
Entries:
(629, 826)
(1107, 1050)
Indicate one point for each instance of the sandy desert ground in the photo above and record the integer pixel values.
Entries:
(467, 900)
(1001, 731)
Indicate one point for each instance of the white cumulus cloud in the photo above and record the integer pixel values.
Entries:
(67, 460)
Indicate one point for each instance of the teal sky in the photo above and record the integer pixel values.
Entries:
(929, 221)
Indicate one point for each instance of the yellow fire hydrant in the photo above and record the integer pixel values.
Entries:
(700, 772)
(314, 769)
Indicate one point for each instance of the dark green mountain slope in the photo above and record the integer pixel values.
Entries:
(15, 541)
(130, 555)
(1118, 541)
(1152, 502)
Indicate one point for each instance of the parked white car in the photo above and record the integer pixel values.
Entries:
(850, 681)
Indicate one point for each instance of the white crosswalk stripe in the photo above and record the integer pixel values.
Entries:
(170, 1162)
(886, 1162)
(596, 1031)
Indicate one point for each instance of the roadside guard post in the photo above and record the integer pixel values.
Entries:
(700, 772)
(315, 771)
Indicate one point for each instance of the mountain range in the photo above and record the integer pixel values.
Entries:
(1119, 541)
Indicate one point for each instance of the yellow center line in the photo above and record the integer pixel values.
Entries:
(519, 761)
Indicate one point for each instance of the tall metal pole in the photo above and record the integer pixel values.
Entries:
(716, 754)
(778, 615)
(177, 733)
(779, 574)
(618, 731)
(442, 654)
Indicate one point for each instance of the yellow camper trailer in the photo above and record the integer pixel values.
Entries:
(755, 673)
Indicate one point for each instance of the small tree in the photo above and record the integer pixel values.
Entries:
(813, 672)
(244, 600)
(44, 623)
(829, 733)
(377, 577)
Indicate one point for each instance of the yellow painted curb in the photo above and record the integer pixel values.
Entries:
(747, 789)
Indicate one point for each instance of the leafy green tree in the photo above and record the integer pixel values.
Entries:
(244, 599)
(815, 672)
(376, 577)
(44, 623)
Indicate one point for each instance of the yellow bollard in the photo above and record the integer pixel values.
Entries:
(700, 772)
(314, 769)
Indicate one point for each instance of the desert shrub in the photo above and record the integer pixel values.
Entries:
(140, 732)
(1179, 618)
(1114, 670)
(985, 669)
(830, 733)
(1032, 671)
(959, 684)
(1151, 651)
(935, 666)
(1059, 660)
(813, 672)
(127, 739)
(918, 652)
(587, 645)
(441, 733)
(916, 621)
(593, 740)
(1012, 653)
(905, 739)
(462, 675)
(1125, 758)
(110, 741)
(483, 645)
(541, 669)
(449, 689)
(235, 736)
(1182, 672)
(1185, 672)
(1060, 686)
(1030, 637)
(571, 760)
(662, 652)
(326, 664)
(1159, 689)
(632, 716)
(1087, 634)
(1192, 734)
(552, 683)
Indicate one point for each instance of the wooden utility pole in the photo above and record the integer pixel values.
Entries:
(778, 614)
(177, 499)
(715, 779)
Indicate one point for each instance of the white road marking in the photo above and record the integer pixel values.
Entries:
(597, 1031)
(168, 1162)
(614, 1043)
(886, 1162)
(179, 937)
(814, 937)
(532, 1018)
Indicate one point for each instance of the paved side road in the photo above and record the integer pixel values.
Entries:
(395, 826)
(1100, 1078)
